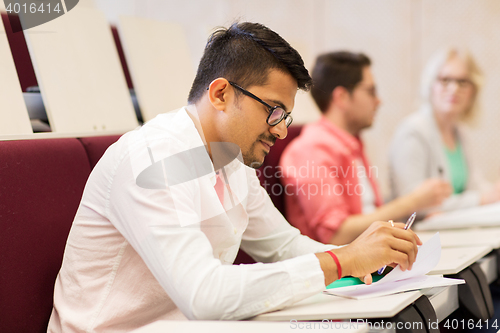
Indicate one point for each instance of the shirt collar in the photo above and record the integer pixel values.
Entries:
(198, 141)
(350, 141)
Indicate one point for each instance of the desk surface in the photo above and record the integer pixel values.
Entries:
(247, 327)
(455, 259)
(321, 306)
(465, 237)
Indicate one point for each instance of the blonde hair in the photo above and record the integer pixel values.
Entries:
(433, 67)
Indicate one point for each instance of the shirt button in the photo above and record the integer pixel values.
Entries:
(307, 284)
(235, 231)
(267, 304)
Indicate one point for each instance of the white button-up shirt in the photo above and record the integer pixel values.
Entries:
(151, 240)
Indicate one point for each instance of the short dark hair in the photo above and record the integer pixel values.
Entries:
(245, 53)
(334, 69)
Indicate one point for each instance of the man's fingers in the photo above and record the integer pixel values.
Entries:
(407, 249)
(367, 279)
(399, 225)
(401, 259)
(406, 235)
(419, 242)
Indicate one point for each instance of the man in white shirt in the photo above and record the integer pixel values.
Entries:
(166, 209)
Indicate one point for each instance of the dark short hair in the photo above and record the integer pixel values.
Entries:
(334, 69)
(245, 53)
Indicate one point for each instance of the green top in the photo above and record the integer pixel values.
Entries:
(458, 168)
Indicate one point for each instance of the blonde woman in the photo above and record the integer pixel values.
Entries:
(431, 142)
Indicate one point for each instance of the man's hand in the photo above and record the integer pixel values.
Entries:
(380, 245)
(431, 192)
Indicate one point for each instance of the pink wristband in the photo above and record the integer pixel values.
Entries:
(339, 268)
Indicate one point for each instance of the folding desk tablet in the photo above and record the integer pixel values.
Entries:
(322, 306)
(79, 74)
(465, 237)
(403, 307)
(472, 237)
(243, 327)
(460, 262)
(160, 64)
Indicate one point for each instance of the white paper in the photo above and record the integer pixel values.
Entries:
(427, 258)
(398, 281)
(482, 216)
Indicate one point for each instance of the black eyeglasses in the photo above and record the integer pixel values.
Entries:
(276, 113)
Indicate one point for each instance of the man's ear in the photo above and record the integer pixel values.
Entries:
(218, 93)
(341, 96)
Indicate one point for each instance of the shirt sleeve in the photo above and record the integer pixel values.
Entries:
(269, 237)
(181, 256)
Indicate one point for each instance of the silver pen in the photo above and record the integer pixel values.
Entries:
(408, 225)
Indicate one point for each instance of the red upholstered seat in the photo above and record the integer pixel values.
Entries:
(268, 171)
(41, 184)
(95, 146)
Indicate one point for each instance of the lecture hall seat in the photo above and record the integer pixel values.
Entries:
(41, 184)
(268, 170)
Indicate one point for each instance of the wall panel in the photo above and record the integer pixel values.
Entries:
(382, 30)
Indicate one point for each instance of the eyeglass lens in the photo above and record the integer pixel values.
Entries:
(277, 115)
(462, 83)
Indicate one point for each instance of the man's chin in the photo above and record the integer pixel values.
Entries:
(253, 161)
(254, 164)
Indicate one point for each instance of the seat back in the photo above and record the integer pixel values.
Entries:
(95, 146)
(268, 171)
(41, 184)
(267, 175)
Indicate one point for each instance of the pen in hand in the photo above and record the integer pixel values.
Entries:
(408, 225)
(440, 171)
